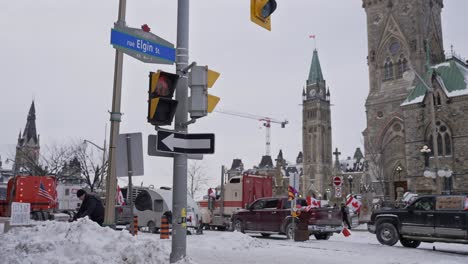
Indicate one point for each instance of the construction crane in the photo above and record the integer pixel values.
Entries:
(266, 123)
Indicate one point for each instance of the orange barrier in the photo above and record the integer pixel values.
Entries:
(135, 225)
(164, 231)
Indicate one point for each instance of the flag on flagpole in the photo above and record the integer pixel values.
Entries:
(312, 202)
(120, 198)
(312, 36)
(353, 204)
(291, 193)
(211, 193)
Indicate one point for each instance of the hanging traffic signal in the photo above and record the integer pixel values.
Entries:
(260, 12)
(200, 79)
(161, 106)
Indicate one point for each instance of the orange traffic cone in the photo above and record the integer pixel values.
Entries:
(164, 231)
(346, 232)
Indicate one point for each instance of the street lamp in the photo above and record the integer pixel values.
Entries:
(446, 173)
(350, 179)
(328, 191)
(103, 149)
(399, 169)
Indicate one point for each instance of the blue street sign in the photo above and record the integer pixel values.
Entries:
(143, 46)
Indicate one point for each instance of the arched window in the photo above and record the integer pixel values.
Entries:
(438, 99)
(388, 70)
(448, 145)
(402, 66)
(444, 140)
(440, 147)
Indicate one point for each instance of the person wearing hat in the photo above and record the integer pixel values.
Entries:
(91, 207)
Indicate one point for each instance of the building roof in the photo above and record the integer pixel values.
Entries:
(451, 75)
(315, 73)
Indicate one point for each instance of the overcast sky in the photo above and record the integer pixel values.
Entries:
(58, 53)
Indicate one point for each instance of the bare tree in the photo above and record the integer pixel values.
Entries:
(50, 162)
(92, 169)
(196, 178)
(375, 163)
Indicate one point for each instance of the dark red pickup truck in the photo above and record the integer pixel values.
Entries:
(272, 215)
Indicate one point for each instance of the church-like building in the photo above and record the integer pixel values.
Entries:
(404, 114)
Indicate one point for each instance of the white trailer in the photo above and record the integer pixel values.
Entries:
(150, 204)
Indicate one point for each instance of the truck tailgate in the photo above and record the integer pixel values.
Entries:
(325, 216)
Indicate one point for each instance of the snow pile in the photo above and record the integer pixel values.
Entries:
(82, 241)
(236, 241)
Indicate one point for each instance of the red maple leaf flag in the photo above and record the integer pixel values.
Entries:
(120, 198)
(353, 204)
(312, 203)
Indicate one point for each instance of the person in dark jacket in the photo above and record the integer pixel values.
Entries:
(91, 206)
(344, 215)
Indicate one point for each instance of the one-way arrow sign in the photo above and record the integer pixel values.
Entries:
(185, 143)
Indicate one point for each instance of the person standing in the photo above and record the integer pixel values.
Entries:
(91, 206)
(344, 215)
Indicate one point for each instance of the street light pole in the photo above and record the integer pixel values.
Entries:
(428, 85)
(103, 149)
(179, 193)
(350, 179)
(115, 118)
(399, 170)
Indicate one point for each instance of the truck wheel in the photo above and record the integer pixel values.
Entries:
(410, 243)
(239, 226)
(387, 234)
(322, 236)
(290, 231)
(152, 227)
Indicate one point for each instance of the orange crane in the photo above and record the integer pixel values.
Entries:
(266, 123)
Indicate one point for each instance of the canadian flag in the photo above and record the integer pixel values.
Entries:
(312, 202)
(120, 198)
(466, 203)
(353, 204)
(211, 193)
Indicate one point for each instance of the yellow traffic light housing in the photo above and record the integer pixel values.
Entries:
(260, 12)
(200, 79)
(161, 106)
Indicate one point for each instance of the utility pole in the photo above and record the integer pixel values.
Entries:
(115, 118)
(179, 194)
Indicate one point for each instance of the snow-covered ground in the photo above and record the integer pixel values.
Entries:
(85, 242)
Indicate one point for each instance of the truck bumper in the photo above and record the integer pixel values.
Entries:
(313, 229)
(371, 228)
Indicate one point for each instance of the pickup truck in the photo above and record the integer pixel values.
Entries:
(430, 218)
(272, 215)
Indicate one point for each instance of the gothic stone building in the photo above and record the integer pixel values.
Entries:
(27, 148)
(316, 132)
(404, 34)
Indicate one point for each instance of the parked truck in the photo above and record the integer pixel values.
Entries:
(39, 191)
(273, 215)
(429, 218)
(237, 193)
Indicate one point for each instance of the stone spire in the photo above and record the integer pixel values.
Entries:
(315, 73)
(30, 132)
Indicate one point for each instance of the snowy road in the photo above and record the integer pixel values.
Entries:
(361, 247)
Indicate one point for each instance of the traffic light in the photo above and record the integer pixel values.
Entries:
(161, 106)
(200, 79)
(260, 12)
